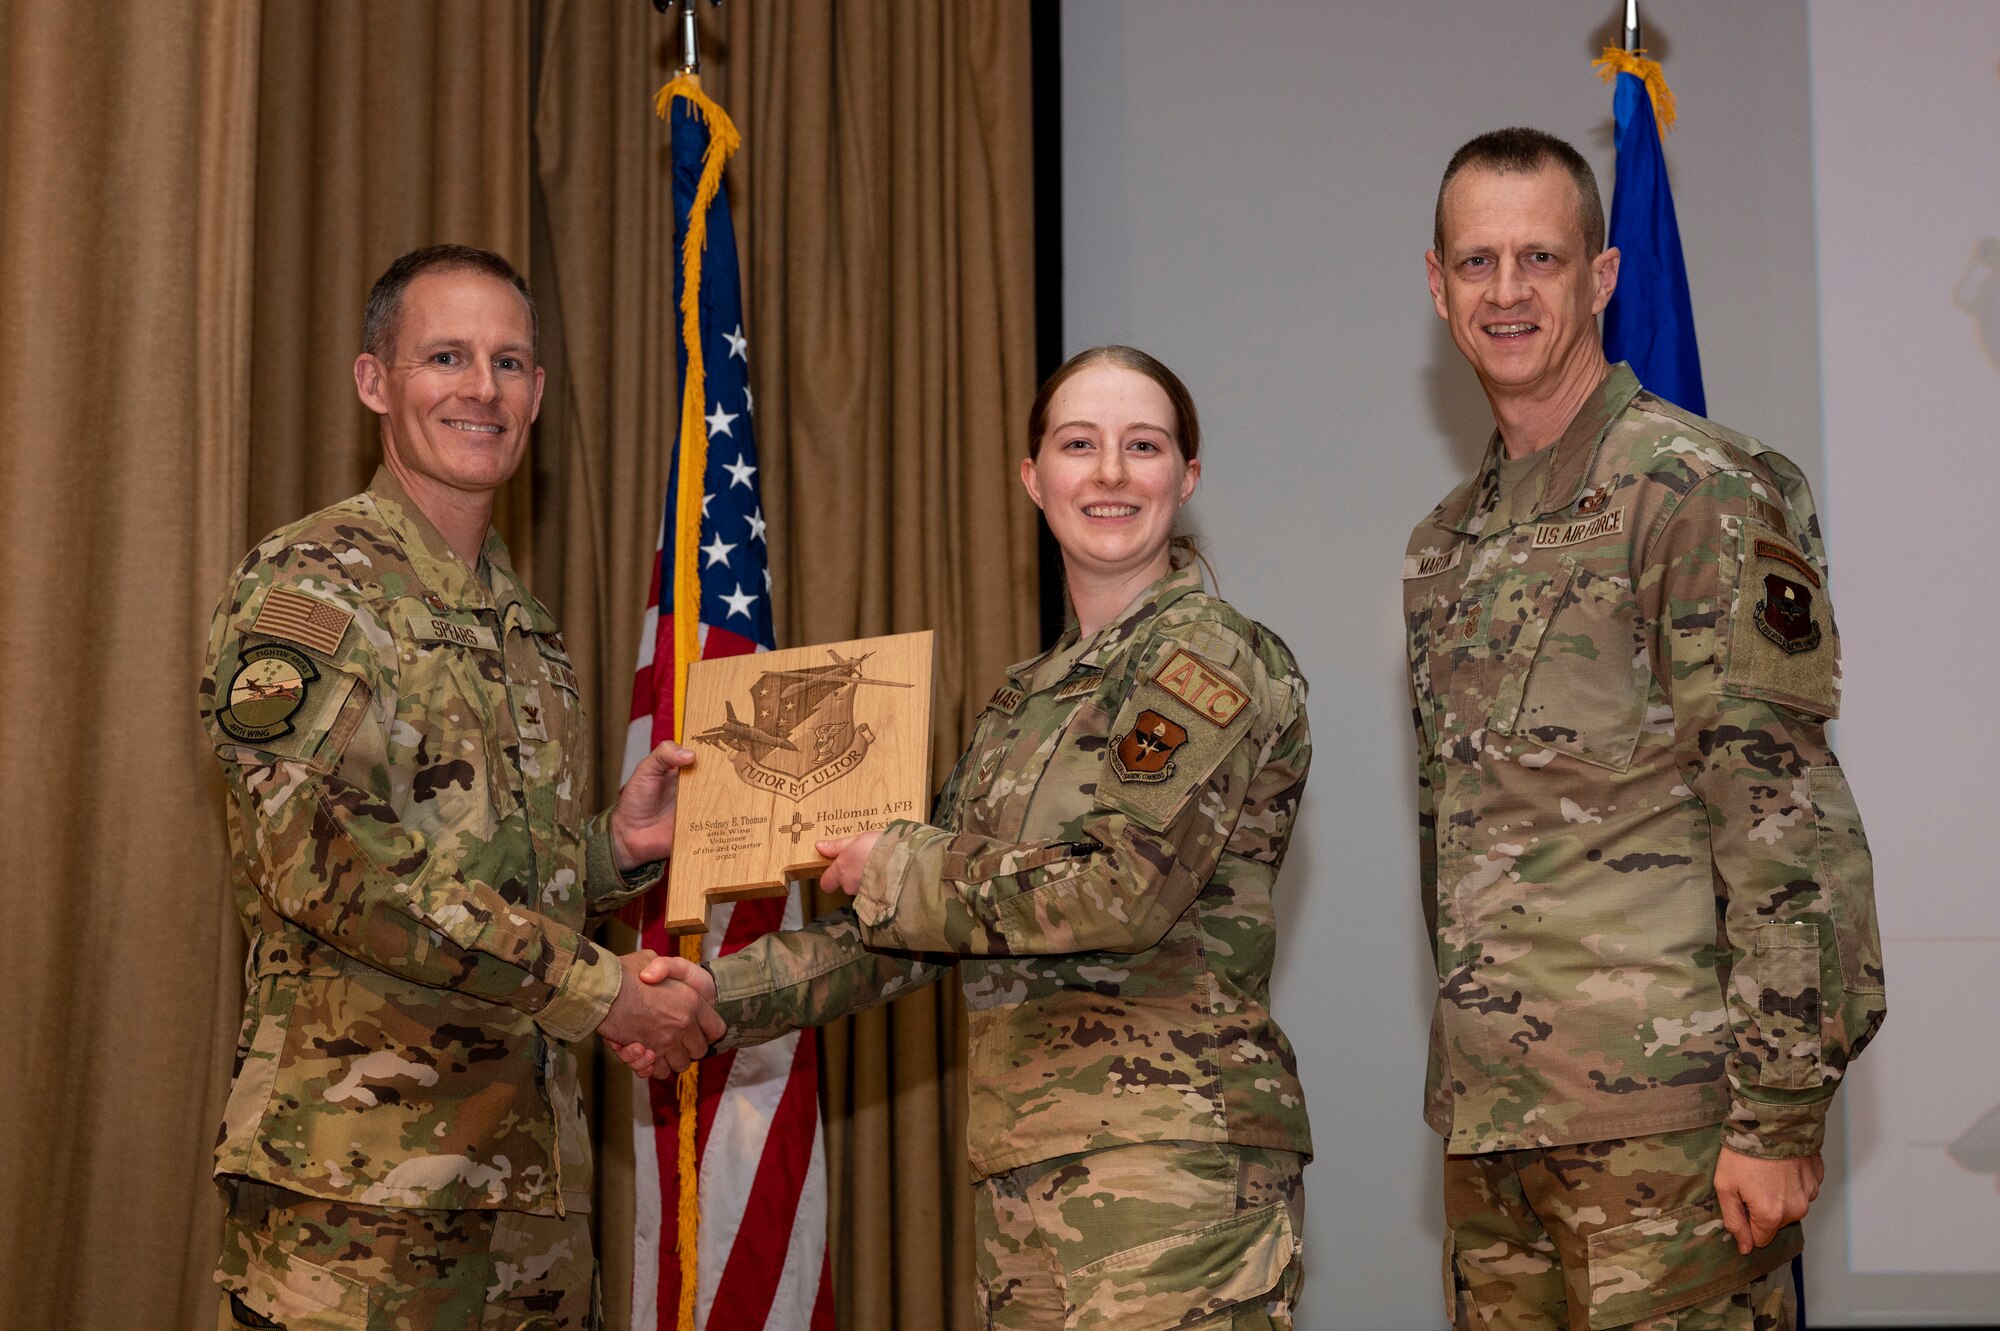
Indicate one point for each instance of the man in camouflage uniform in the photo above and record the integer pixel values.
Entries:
(1655, 936)
(1100, 865)
(406, 758)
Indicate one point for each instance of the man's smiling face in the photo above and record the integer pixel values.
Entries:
(1516, 283)
(458, 386)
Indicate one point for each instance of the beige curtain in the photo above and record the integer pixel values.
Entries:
(381, 126)
(194, 195)
(126, 153)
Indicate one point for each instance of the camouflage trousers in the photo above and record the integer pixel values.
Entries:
(1603, 1235)
(310, 1265)
(1165, 1234)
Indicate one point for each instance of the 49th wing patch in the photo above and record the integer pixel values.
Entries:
(266, 693)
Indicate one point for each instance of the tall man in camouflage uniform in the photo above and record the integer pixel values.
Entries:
(1651, 899)
(406, 759)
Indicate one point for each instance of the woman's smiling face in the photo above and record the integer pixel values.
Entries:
(1108, 472)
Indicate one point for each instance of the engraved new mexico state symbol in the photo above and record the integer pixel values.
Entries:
(801, 735)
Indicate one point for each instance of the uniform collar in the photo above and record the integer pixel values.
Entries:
(1470, 508)
(446, 581)
(1108, 642)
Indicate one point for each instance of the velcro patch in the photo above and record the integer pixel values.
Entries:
(436, 628)
(1212, 697)
(1769, 514)
(1076, 686)
(303, 619)
(1146, 751)
(1551, 534)
(280, 701)
(563, 676)
(1005, 699)
(1430, 565)
(1782, 645)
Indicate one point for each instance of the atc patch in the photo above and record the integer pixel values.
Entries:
(1783, 646)
(1202, 687)
(266, 692)
(1146, 752)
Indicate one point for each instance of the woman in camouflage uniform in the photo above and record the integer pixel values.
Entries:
(1100, 867)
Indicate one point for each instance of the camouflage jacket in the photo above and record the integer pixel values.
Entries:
(1101, 866)
(406, 763)
(1646, 878)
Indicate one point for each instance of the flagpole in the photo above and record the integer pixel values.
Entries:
(1631, 25)
(690, 39)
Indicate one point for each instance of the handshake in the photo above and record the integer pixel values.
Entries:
(664, 1016)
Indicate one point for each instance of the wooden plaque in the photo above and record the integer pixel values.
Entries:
(795, 745)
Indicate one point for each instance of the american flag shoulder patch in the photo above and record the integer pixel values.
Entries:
(303, 619)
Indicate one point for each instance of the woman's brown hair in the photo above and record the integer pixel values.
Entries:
(1187, 425)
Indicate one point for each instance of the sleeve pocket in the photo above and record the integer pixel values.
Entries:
(1779, 983)
(1847, 877)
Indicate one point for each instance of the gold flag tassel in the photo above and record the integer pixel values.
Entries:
(1615, 62)
(723, 141)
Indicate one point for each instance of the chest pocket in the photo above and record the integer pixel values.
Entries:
(450, 680)
(1584, 693)
(1478, 642)
(1031, 772)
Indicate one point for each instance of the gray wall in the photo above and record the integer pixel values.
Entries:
(1247, 193)
(1906, 119)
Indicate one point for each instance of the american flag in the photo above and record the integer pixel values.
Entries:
(762, 1169)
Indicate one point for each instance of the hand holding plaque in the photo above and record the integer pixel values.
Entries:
(795, 746)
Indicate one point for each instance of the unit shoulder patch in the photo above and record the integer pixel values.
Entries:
(1146, 752)
(1785, 614)
(1782, 644)
(1213, 696)
(307, 620)
(266, 692)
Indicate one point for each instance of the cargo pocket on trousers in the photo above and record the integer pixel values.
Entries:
(283, 1288)
(1664, 1262)
(1163, 1284)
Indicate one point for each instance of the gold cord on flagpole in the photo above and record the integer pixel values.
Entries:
(723, 141)
(1615, 62)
